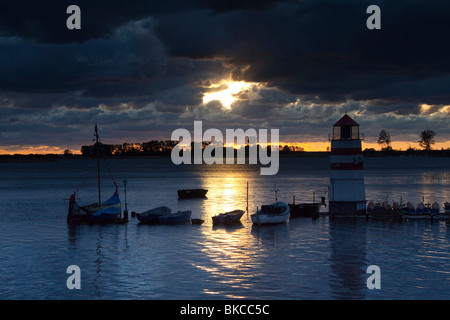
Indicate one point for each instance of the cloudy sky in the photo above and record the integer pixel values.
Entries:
(141, 69)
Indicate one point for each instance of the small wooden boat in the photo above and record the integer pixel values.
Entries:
(306, 209)
(191, 193)
(274, 213)
(151, 216)
(408, 209)
(384, 210)
(228, 217)
(435, 208)
(446, 206)
(421, 209)
(176, 217)
(163, 215)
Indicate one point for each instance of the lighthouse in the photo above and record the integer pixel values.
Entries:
(347, 195)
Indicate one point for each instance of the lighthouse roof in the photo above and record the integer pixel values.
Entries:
(345, 121)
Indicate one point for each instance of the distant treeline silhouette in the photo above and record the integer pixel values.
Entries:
(150, 148)
(156, 148)
(164, 148)
(371, 152)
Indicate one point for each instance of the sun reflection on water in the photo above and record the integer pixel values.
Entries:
(230, 249)
(227, 194)
(230, 252)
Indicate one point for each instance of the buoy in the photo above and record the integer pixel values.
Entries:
(197, 221)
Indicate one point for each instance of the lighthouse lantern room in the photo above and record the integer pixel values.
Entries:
(347, 193)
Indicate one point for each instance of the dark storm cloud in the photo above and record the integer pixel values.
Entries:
(323, 48)
(45, 21)
(319, 47)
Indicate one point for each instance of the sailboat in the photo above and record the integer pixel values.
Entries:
(106, 211)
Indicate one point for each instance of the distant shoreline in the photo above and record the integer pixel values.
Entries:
(309, 154)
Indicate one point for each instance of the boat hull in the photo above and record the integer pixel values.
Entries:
(446, 207)
(109, 214)
(152, 216)
(109, 211)
(177, 217)
(191, 193)
(150, 219)
(163, 215)
(269, 219)
(304, 209)
(228, 217)
(275, 213)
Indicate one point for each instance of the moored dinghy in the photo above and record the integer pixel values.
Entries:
(163, 215)
(228, 217)
(152, 215)
(421, 209)
(435, 208)
(306, 209)
(274, 213)
(446, 206)
(191, 193)
(384, 210)
(175, 217)
(408, 209)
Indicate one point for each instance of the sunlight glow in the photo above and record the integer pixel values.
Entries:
(228, 95)
(424, 108)
(42, 149)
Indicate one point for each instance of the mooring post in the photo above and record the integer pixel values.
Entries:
(125, 212)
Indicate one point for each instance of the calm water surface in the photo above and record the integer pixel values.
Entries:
(302, 259)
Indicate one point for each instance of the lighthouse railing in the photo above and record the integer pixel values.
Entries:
(359, 136)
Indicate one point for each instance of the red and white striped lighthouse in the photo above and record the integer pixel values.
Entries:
(347, 193)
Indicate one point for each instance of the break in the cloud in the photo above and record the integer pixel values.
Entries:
(140, 69)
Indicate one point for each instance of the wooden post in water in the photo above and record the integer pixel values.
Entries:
(247, 199)
(125, 213)
(98, 166)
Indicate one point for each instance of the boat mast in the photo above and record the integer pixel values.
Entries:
(98, 165)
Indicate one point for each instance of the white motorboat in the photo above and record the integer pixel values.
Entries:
(277, 212)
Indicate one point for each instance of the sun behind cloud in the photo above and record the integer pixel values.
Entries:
(228, 95)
